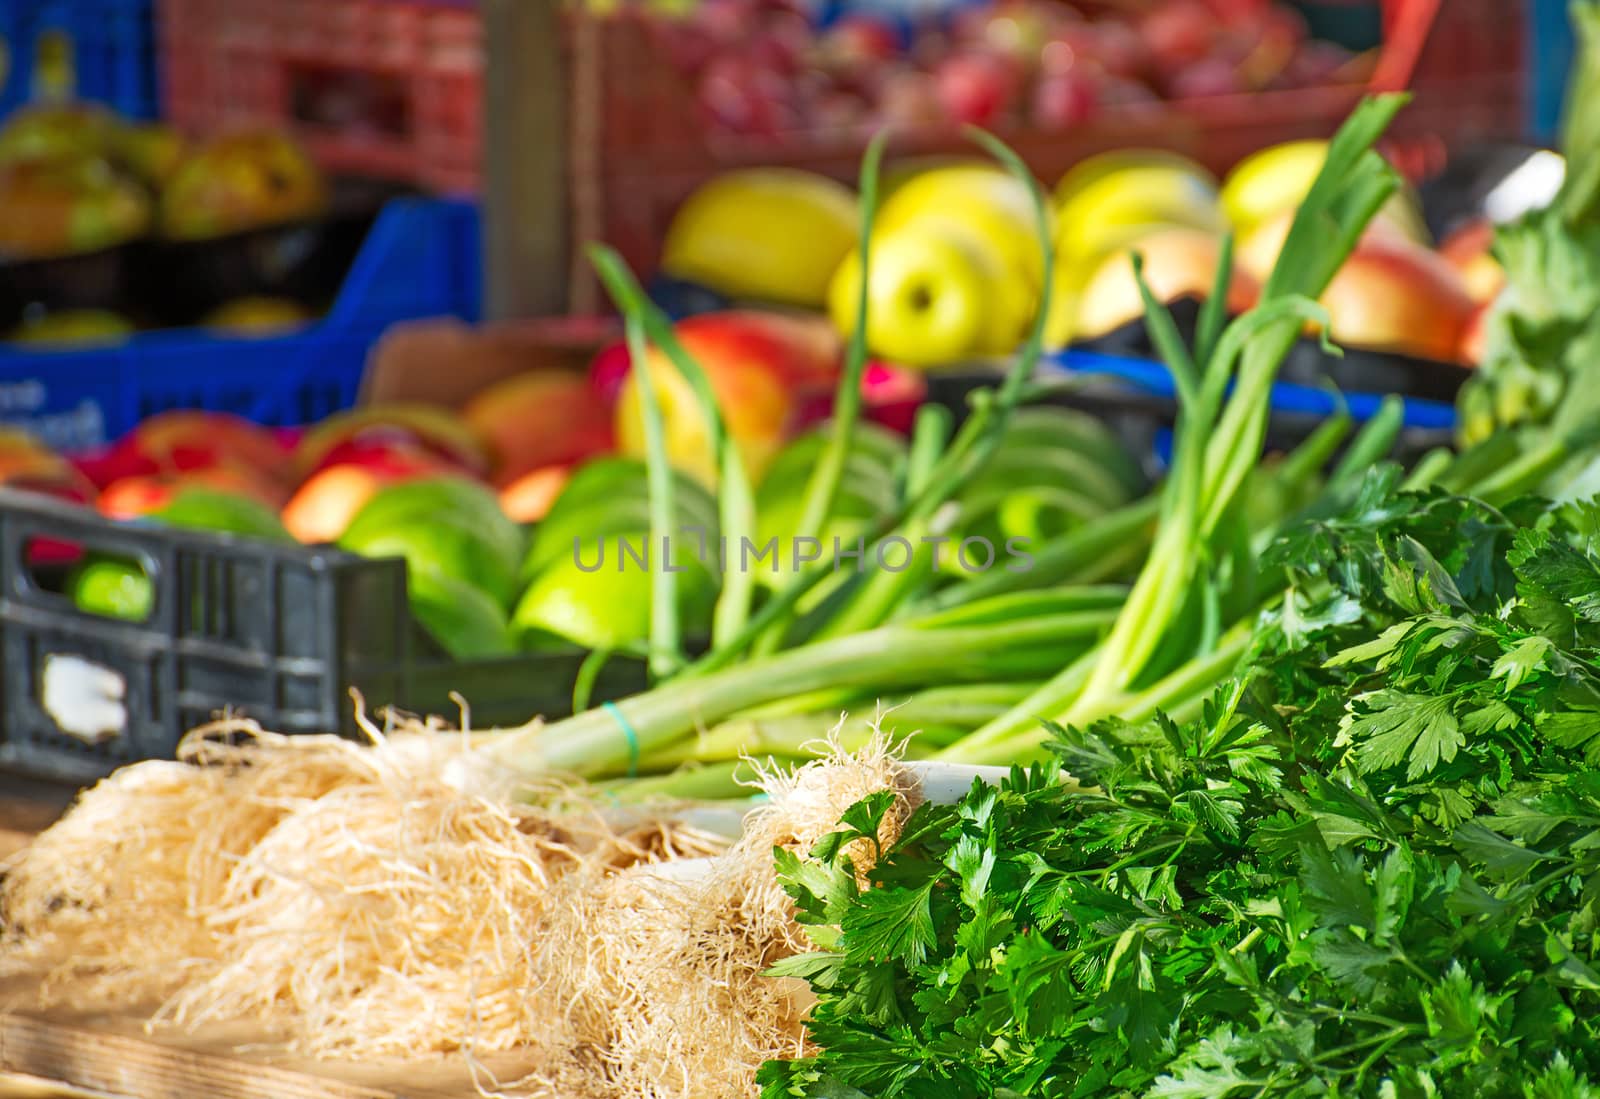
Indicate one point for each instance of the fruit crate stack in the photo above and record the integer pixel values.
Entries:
(100, 50)
(385, 88)
(417, 257)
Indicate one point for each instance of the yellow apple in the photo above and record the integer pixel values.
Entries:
(1278, 178)
(1178, 263)
(936, 296)
(1091, 170)
(985, 200)
(1115, 200)
(771, 234)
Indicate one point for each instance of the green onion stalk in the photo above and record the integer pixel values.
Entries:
(628, 734)
(1218, 442)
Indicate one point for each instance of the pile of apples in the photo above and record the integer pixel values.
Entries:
(76, 178)
(1396, 293)
(523, 436)
(760, 67)
(956, 273)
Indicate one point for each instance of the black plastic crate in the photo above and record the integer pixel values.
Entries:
(1144, 421)
(279, 634)
(160, 283)
(1356, 371)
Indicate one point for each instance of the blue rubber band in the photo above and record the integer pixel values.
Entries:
(632, 735)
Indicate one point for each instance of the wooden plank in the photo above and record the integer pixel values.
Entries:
(140, 1069)
(31, 1087)
(525, 159)
(113, 1054)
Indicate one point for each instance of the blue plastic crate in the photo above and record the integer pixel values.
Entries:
(113, 50)
(1154, 377)
(421, 259)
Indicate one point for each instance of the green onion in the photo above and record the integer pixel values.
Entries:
(735, 501)
(666, 653)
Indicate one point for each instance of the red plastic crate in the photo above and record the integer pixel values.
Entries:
(638, 149)
(636, 146)
(388, 88)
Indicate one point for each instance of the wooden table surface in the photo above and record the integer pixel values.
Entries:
(26, 808)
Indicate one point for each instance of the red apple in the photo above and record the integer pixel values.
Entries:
(1268, 45)
(976, 88)
(1474, 338)
(739, 96)
(752, 374)
(1113, 45)
(1209, 77)
(132, 497)
(855, 41)
(805, 347)
(420, 427)
(540, 418)
(717, 26)
(782, 43)
(909, 100)
(1178, 33)
(801, 350)
(190, 440)
(1062, 100)
(1393, 295)
(323, 506)
(527, 498)
(890, 396)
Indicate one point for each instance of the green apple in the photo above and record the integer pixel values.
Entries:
(446, 544)
(420, 501)
(464, 619)
(598, 598)
(113, 587)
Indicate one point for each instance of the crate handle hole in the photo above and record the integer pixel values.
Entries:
(109, 585)
(352, 101)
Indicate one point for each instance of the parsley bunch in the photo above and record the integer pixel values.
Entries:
(1370, 868)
